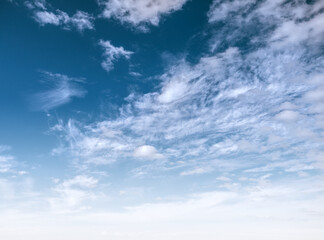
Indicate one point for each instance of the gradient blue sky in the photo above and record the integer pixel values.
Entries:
(162, 119)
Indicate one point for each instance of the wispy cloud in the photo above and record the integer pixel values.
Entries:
(9, 166)
(62, 90)
(5, 163)
(6, 160)
(111, 54)
(220, 10)
(43, 14)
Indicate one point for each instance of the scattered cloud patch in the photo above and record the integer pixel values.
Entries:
(80, 181)
(140, 13)
(112, 54)
(43, 14)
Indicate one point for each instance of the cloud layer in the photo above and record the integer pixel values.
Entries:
(233, 110)
(232, 140)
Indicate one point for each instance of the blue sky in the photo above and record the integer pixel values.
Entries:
(160, 119)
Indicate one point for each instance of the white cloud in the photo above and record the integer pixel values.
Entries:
(212, 214)
(139, 13)
(22, 173)
(287, 106)
(43, 15)
(221, 10)
(72, 195)
(6, 160)
(5, 163)
(316, 95)
(112, 54)
(47, 18)
(288, 115)
(64, 89)
(147, 151)
(223, 179)
(9, 166)
(221, 113)
(225, 147)
(198, 170)
(172, 91)
(291, 32)
(281, 23)
(80, 181)
(81, 20)
(219, 100)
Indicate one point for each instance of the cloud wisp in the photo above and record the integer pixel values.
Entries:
(111, 54)
(62, 90)
(6, 160)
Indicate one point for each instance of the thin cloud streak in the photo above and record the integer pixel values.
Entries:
(63, 90)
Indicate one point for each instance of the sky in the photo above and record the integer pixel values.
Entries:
(162, 119)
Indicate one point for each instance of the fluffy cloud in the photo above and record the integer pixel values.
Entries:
(139, 13)
(43, 15)
(111, 54)
(64, 89)
(147, 151)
